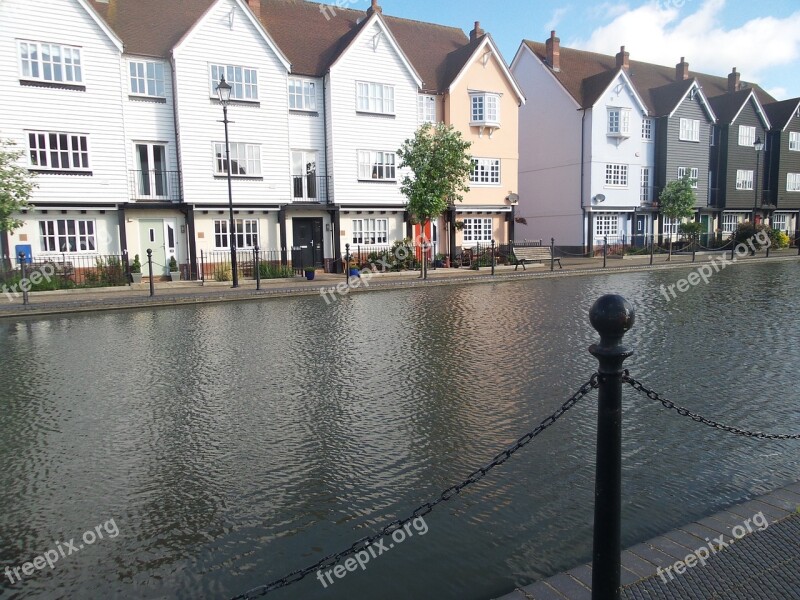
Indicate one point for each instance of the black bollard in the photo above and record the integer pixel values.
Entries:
(492, 256)
(694, 248)
(150, 267)
(347, 263)
(605, 250)
(257, 264)
(652, 247)
(24, 283)
(611, 316)
(552, 253)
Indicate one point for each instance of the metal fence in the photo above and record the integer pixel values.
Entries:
(215, 265)
(66, 271)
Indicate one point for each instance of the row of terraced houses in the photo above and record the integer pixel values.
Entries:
(115, 105)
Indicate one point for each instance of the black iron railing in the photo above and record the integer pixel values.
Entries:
(310, 188)
(156, 185)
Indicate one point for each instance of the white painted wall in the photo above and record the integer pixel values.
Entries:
(96, 112)
(307, 129)
(351, 131)
(549, 156)
(148, 120)
(214, 40)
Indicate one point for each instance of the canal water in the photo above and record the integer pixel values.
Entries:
(228, 445)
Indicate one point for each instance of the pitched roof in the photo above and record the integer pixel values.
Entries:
(151, 27)
(311, 35)
(781, 113)
(314, 35)
(728, 106)
(580, 70)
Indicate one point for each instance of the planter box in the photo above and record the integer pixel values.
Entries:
(175, 275)
(136, 277)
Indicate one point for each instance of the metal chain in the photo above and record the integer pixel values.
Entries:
(426, 508)
(700, 419)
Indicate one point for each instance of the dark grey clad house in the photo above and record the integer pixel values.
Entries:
(782, 166)
(737, 156)
(684, 122)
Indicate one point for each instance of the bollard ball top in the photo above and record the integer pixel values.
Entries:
(612, 315)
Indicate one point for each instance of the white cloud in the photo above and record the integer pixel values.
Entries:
(662, 32)
(558, 16)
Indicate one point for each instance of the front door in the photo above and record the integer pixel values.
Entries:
(160, 236)
(307, 234)
(640, 233)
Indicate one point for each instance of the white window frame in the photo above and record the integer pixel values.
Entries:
(376, 98)
(780, 221)
(692, 172)
(57, 237)
(645, 192)
(246, 234)
(243, 81)
(619, 122)
(69, 150)
(242, 153)
(606, 224)
(370, 231)
(744, 179)
(478, 229)
(63, 60)
(377, 165)
(616, 175)
(794, 141)
(647, 129)
(747, 135)
(712, 133)
(793, 182)
(426, 109)
(670, 226)
(689, 130)
(146, 78)
(484, 109)
(302, 94)
(730, 221)
(485, 171)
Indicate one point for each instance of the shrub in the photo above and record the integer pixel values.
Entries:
(223, 273)
(136, 265)
(779, 239)
(275, 271)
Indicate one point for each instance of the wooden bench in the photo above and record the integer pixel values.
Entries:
(533, 254)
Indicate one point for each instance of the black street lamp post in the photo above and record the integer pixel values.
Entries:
(759, 146)
(224, 93)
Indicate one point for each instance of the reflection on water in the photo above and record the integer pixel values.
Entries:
(235, 443)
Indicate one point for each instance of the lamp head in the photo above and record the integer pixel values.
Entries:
(224, 91)
(758, 145)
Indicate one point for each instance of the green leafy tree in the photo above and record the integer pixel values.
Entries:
(16, 186)
(440, 163)
(677, 199)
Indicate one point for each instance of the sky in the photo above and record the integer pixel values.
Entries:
(761, 38)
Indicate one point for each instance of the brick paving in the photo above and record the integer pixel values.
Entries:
(764, 564)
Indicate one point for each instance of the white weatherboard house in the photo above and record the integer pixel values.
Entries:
(582, 151)
(63, 105)
(114, 104)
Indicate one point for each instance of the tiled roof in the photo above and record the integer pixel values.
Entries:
(310, 38)
(780, 113)
(727, 106)
(580, 69)
(312, 41)
(151, 27)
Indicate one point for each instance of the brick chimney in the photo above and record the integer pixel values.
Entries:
(553, 47)
(374, 8)
(734, 81)
(255, 6)
(477, 32)
(623, 59)
(682, 70)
